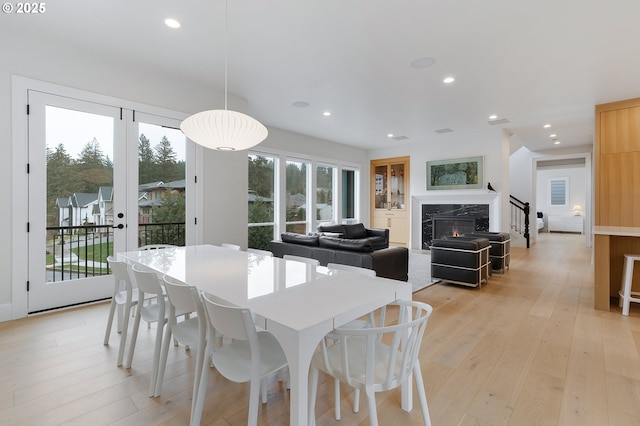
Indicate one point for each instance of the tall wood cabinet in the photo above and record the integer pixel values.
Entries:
(390, 198)
(617, 194)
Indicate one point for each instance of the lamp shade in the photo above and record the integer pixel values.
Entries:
(224, 130)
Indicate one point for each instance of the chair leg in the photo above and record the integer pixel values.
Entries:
(313, 390)
(134, 337)
(200, 362)
(422, 396)
(198, 403)
(254, 396)
(123, 335)
(336, 397)
(162, 363)
(263, 389)
(156, 357)
(356, 400)
(373, 412)
(107, 333)
(626, 283)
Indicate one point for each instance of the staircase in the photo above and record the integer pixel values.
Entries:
(519, 222)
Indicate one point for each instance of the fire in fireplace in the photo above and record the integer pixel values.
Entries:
(452, 226)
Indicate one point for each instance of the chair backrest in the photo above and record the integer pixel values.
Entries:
(230, 321)
(230, 246)
(148, 283)
(183, 297)
(388, 361)
(260, 252)
(156, 246)
(349, 268)
(308, 260)
(120, 271)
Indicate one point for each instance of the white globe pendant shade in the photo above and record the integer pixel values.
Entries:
(224, 130)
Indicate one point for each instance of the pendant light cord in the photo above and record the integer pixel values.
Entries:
(226, 37)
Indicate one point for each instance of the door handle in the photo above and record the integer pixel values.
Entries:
(120, 226)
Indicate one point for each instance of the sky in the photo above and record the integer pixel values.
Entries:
(74, 129)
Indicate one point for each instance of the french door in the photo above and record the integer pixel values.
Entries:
(83, 195)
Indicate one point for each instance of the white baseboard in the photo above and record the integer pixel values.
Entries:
(5, 312)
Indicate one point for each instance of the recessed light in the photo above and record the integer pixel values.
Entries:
(300, 104)
(493, 117)
(390, 135)
(172, 23)
(546, 126)
(553, 135)
(326, 113)
(449, 80)
(421, 63)
(556, 142)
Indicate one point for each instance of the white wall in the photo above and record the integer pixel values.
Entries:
(576, 186)
(493, 145)
(225, 180)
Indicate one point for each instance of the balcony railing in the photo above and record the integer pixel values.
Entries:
(75, 252)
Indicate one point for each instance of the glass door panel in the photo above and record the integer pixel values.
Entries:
(396, 189)
(381, 200)
(161, 195)
(72, 151)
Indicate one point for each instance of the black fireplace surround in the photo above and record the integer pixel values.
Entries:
(458, 213)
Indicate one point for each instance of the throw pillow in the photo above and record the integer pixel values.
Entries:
(355, 231)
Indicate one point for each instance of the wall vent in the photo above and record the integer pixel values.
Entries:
(400, 138)
(441, 131)
(499, 121)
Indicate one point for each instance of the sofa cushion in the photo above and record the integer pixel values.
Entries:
(331, 228)
(355, 231)
(378, 243)
(307, 240)
(362, 245)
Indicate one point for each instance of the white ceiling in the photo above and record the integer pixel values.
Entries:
(530, 62)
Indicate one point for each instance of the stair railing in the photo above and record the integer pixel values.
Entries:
(520, 217)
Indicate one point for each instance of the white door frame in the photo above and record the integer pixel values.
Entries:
(19, 153)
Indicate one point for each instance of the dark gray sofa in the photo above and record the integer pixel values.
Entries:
(348, 245)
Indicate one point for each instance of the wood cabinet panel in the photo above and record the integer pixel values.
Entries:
(620, 130)
(619, 189)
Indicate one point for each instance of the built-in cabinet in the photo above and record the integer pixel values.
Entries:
(390, 198)
(617, 195)
(557, 223)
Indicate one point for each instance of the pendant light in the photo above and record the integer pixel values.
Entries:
(222, 129)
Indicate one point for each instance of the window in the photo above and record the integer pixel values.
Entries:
(296, 193)
(349, 196)
(283, 189)
(261, 200)
(324, 193)
(558, 191)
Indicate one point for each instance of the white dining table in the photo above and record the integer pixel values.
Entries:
(297, 306)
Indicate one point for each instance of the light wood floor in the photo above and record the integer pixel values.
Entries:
(528, 348)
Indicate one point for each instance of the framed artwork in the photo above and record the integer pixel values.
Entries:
(460, 173)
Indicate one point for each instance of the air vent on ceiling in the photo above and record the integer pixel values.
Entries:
(400, 138)
(499, 121)
(441, 131)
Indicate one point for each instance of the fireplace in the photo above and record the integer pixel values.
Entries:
(452, 226)
(475, 216)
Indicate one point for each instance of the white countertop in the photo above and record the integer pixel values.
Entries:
(622, 231)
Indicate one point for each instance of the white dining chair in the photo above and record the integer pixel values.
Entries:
(193, 332)
(155, 312)
(249, 357)
(376, 359)
(357, 323)
(230, 246)
(124, 299)
(260, 252)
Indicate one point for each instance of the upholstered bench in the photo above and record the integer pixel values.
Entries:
(500, 252)
(460, 260)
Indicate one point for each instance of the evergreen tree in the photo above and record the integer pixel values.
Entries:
(91, 168)
(146, 161)
(165, 159)
(61, 180)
